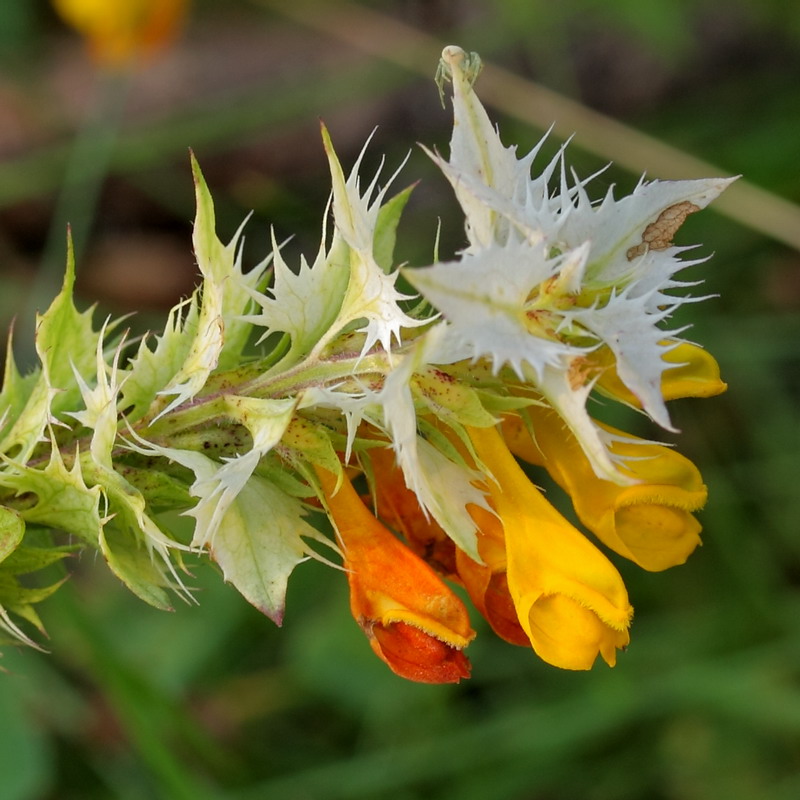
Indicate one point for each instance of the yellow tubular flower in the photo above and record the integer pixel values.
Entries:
(651, 522)
(414, 622)
(569, 598)
(695, 374)
(119, 31)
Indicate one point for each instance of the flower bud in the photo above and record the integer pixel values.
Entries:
(414, 622)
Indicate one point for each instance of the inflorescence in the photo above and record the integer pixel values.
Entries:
(402, 418)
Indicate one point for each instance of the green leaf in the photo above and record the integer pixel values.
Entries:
(259, 543)
(220, 334)
(31, 559)
(134, 565)
(136, 549)
(273, 468)
(28, 612)
(16, 389)
(10, 632)
(19, 599)
(63, 500)
(161, 490)
(223, 263)
(150, 371)
(451, 400)
(15, 596)
(204, 351)
(12, 529)
(29, 424)
(64, 338)
(386, 228)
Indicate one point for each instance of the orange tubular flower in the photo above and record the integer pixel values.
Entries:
(487, 583)
(399, 508)
(120, 31)
(569, 598)
(414, 622)
(651, 522)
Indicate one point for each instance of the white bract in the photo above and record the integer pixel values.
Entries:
(549, 276)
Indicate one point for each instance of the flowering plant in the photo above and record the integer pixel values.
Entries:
(421, 401)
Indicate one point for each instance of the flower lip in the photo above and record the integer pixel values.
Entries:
(414, 654)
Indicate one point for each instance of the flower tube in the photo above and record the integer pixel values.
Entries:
(414, 622)
(398, 507)
(487, 583)
(569, 598)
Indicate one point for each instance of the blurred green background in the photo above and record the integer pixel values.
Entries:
(213, 701)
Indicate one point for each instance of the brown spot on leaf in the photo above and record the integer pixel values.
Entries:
(442, 376)
(658, 235)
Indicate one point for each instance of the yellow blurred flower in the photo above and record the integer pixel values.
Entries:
(119, 31)
(570, 599)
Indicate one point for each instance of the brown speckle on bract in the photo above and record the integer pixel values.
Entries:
(658, 235)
